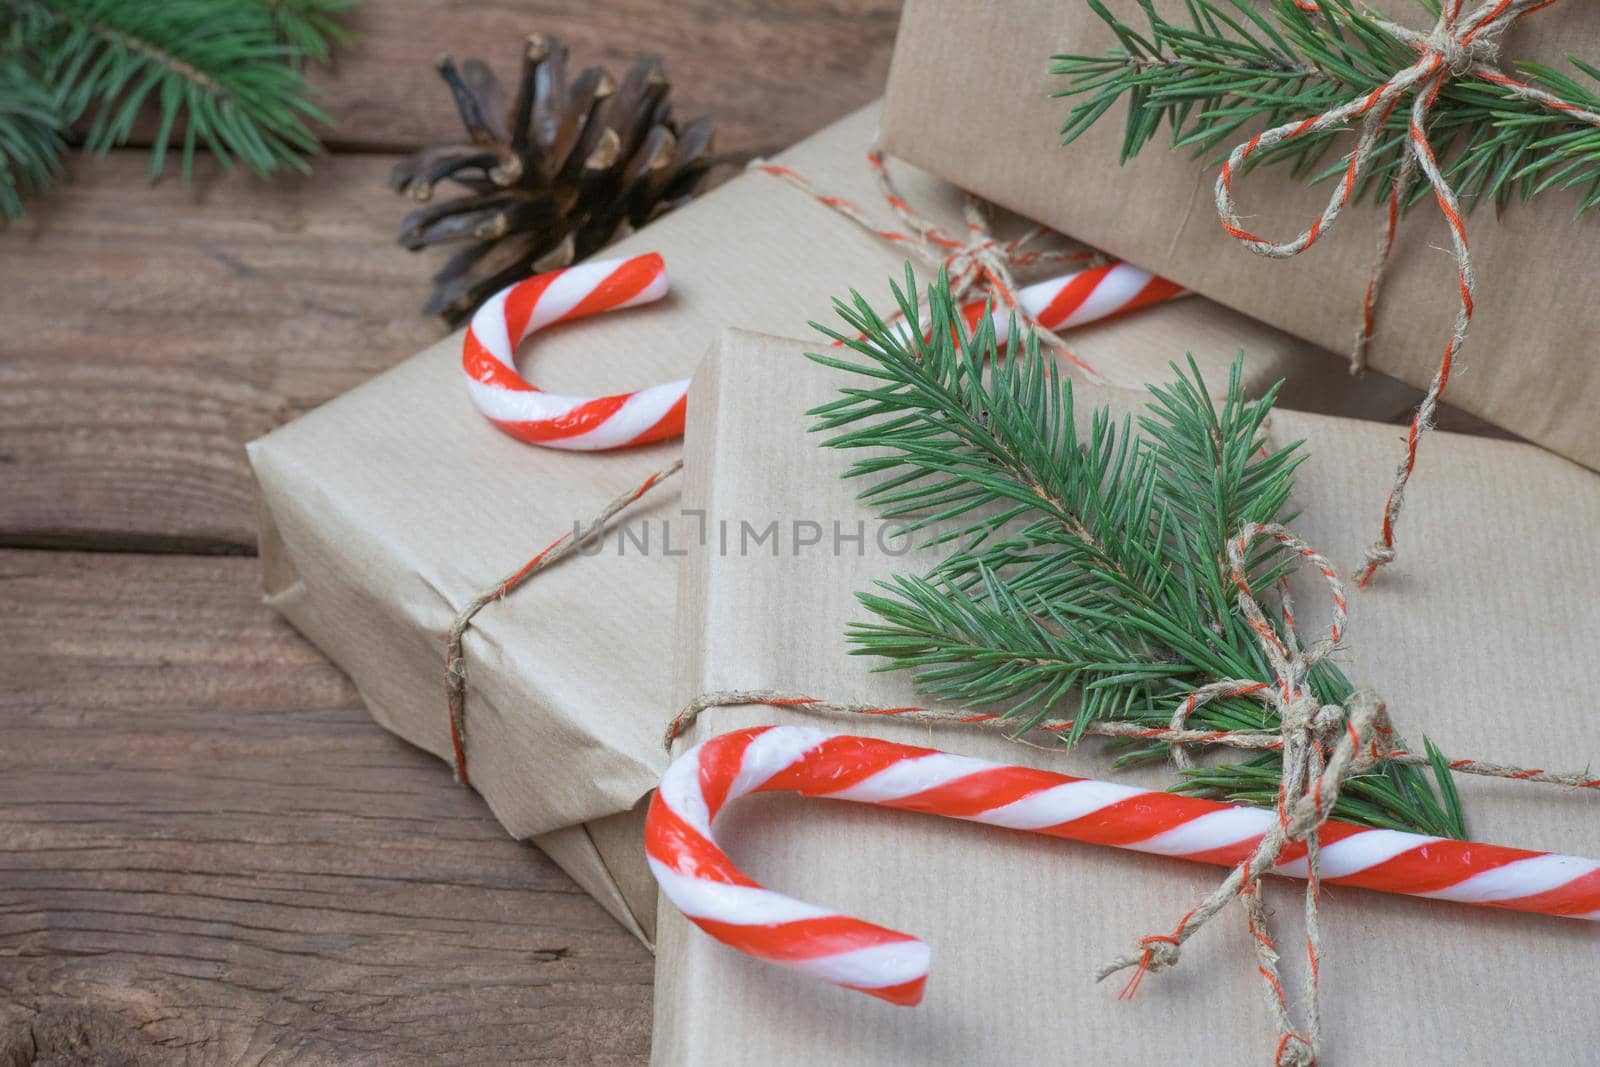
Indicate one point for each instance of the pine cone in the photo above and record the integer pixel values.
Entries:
(573, 166)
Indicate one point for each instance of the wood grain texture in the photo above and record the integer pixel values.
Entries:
(210, 855)
(151, 331)
(769, 71)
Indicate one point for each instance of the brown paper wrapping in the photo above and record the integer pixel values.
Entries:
(386, 510)
(969, 99)
(1485, 650)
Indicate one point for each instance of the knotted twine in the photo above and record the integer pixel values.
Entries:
(978, 268)
(1322, 746)
(1458, 46)
(455, 664)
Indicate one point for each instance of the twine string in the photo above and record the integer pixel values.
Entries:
(1458, 46)
(979, 268)
(455, 664)
(1244, 740)
(1309, 787)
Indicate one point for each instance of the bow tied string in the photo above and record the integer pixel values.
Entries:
(1458, 46)
(981, 267)
(1322, 744)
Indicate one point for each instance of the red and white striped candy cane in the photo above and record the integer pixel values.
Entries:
(1074, 299)
(1081, 297)
(584, 423)
(704, 884)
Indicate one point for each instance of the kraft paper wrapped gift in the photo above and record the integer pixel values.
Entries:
(1485, 646)
(387, 510)
(969, 99)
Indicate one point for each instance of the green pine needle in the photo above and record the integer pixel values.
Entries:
(312, 28)
(1230, 70)
(226, 73)
(1086, 574)
(30, 138)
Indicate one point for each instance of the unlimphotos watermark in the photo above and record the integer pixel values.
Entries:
(695, 529)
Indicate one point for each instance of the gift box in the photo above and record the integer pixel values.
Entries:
(960, 68)
(385, 512)
(1483, 651)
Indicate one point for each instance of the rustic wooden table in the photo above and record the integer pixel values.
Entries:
(208, 853)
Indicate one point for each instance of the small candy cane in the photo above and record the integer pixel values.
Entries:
(581, 423)
(1071, 300)
(715, 895)
(1081, 297)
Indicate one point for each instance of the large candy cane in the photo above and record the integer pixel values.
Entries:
(704, 884)
(585, 423)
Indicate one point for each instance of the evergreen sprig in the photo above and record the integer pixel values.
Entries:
(1232, 69)
(30, 138)
(1085, 554)
(311, 28)
(227, 73)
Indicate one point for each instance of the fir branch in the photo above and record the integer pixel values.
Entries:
(312, 28)
(225, 72)
(1231, 69)
(1086, 554)
(30, 137)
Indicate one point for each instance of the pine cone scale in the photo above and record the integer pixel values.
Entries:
(565, 169)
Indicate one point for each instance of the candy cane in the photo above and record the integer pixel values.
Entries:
(585, 423)
(704, 884)
(1075, 299)
(1081, 297)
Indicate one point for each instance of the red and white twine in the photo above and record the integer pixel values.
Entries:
(980, 268)
(1458, 46)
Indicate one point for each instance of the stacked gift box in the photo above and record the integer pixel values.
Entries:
(392, 509)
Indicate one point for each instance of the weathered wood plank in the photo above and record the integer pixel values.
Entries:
(770, 72)
(150, 332)
(210, 855)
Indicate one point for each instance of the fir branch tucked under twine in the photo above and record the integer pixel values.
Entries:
(1087, 559)
(1119, 569)
(1318, 67)
(1232, 66)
